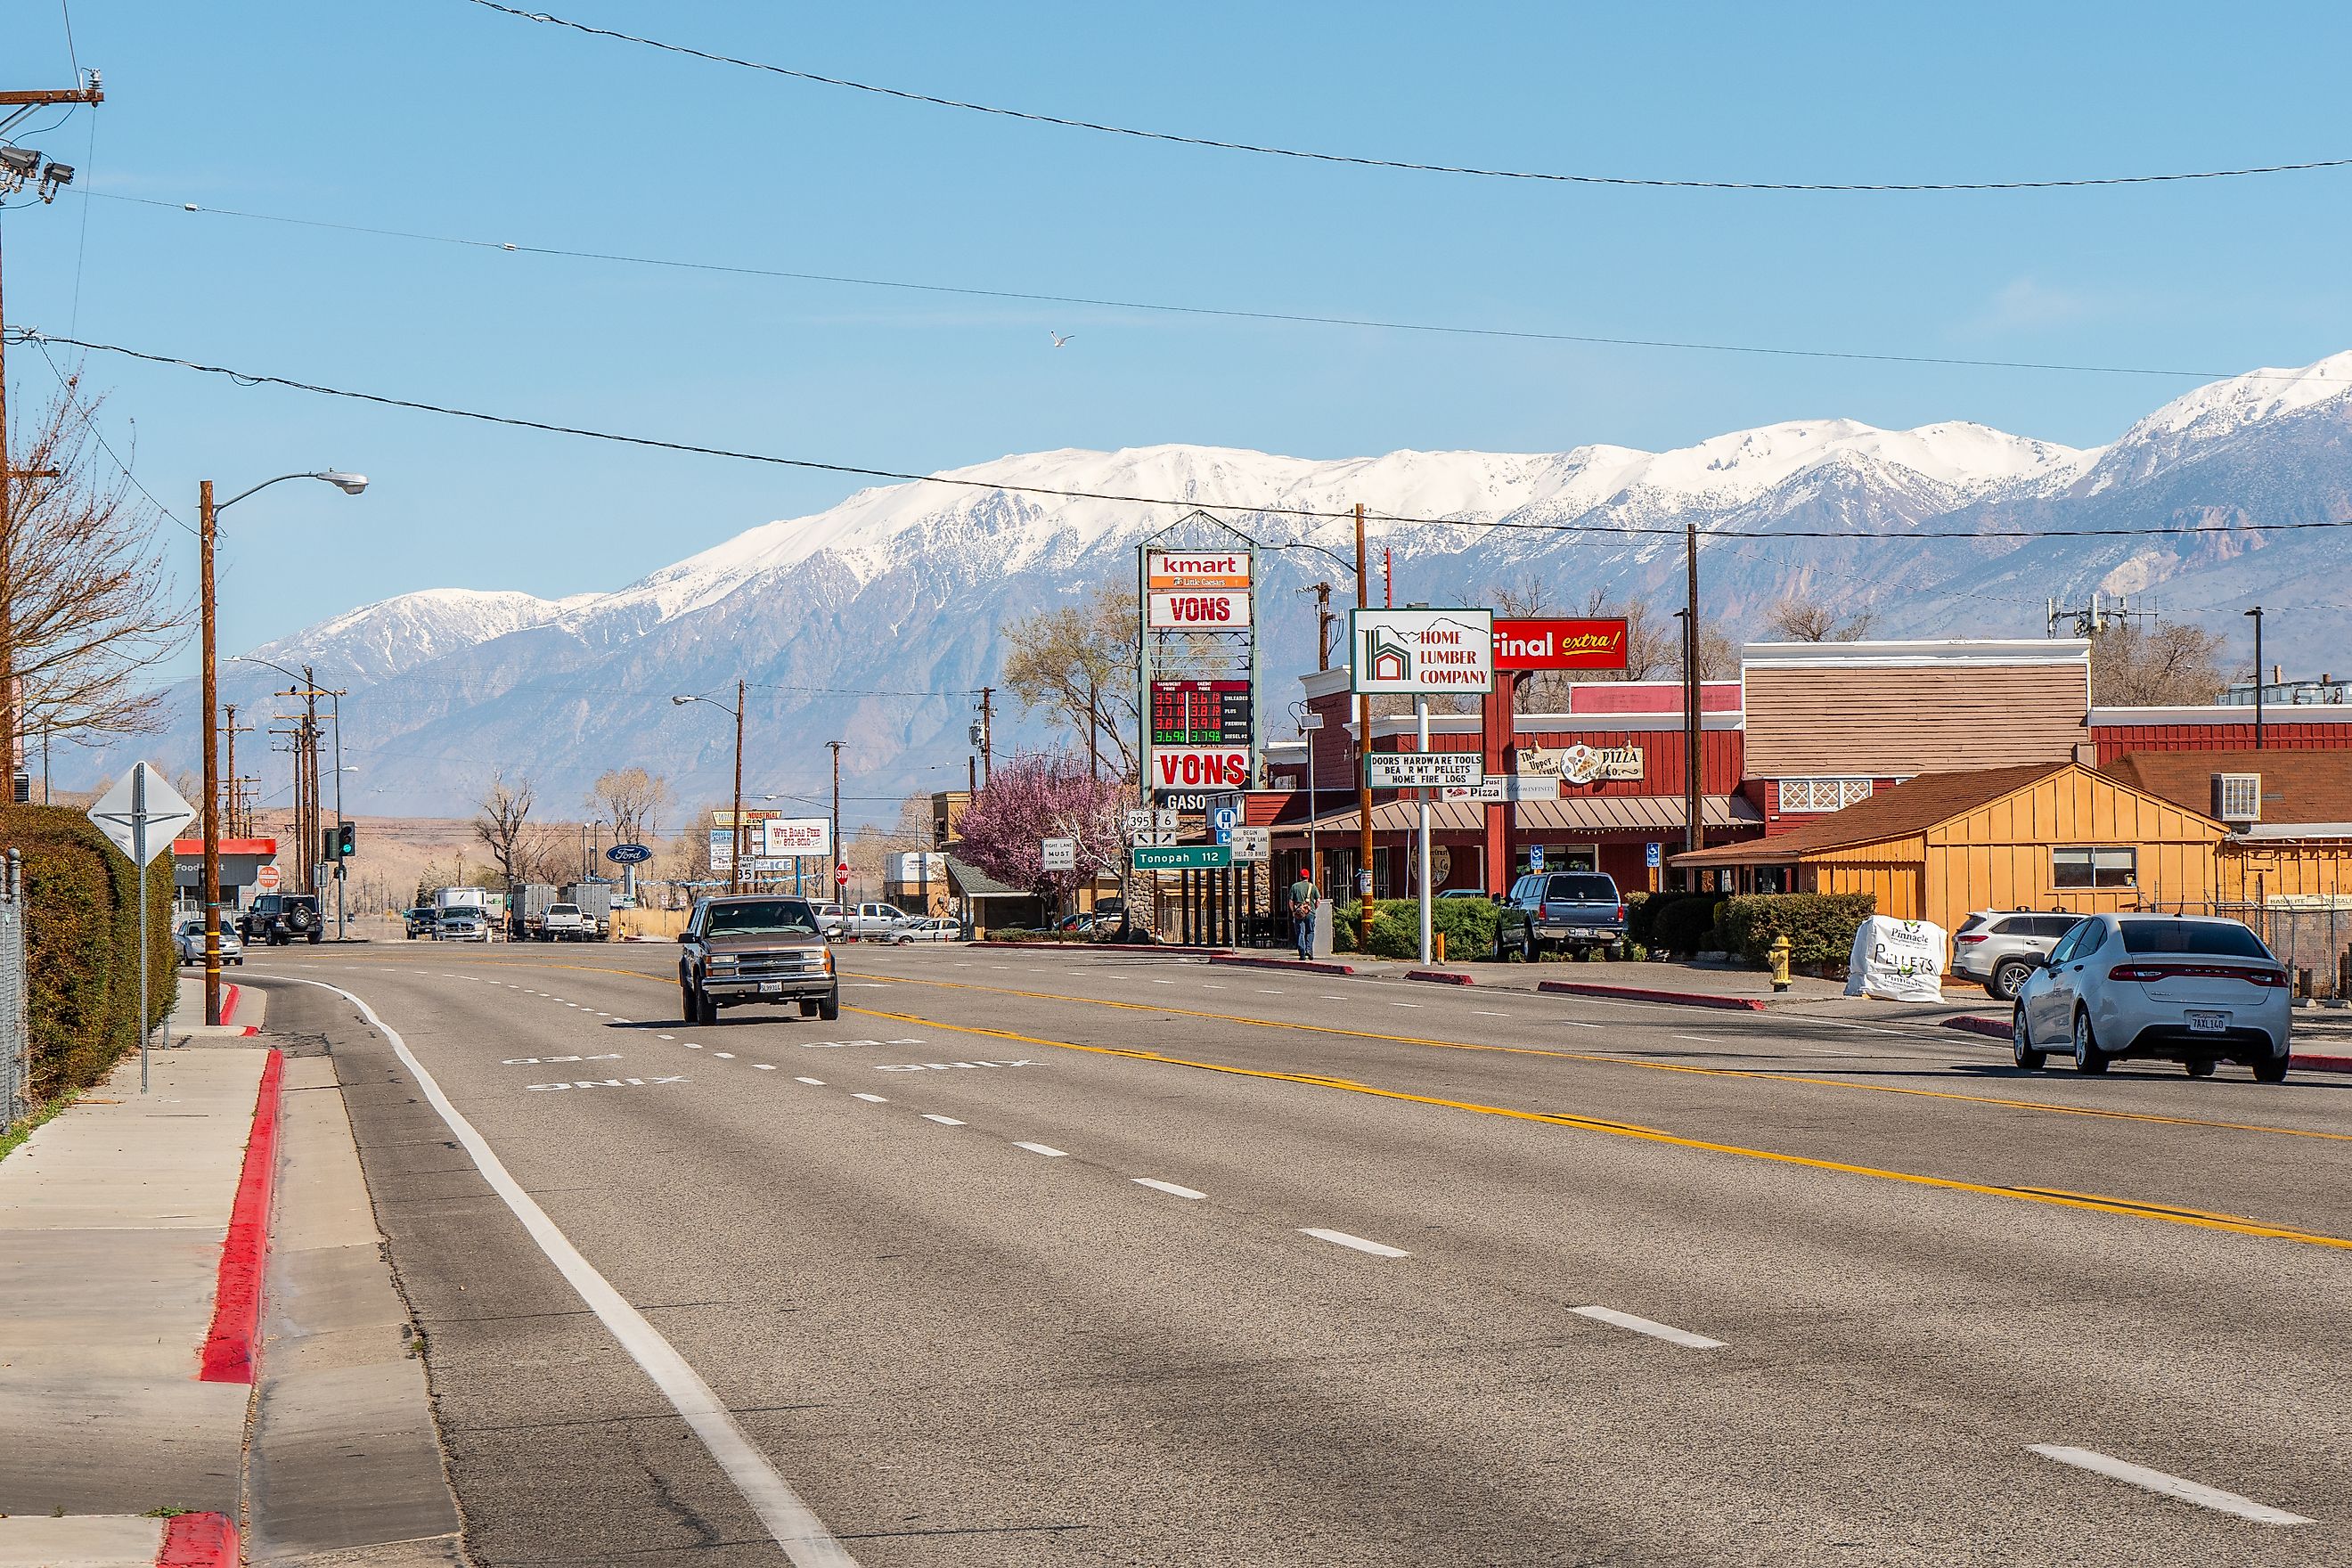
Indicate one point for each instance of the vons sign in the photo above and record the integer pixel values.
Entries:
(1200, 767)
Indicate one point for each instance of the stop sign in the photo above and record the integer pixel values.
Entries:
(841, 872)
(268, 879)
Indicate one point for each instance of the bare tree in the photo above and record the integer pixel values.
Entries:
(86, 605)
(630, 799)
(501, 822)
(1077, 662)
(1800, 619)
(2161, 666)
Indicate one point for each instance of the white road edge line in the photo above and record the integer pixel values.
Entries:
(1683, 1337)
(942, 1121)
(1045, 1149)
(791, 1523)
(2163, 1485)
(1170, 1188)
(1341, 1238)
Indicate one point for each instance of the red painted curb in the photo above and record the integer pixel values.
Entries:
(2320, 1063)
(1638, 994)
(1999, 1028)
(230, 996)
(1441, 977)
(228, 1352)
(198, 1540)
(1304, 965)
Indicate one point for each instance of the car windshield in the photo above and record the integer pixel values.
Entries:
(2225, 939)
(786, 917)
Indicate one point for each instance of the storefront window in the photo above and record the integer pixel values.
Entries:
(2086, 865)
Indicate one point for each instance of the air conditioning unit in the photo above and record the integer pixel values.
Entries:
(2238, 797)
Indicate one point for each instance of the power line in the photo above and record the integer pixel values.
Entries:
(1287, 318)
(1592, 532)
(907, 96)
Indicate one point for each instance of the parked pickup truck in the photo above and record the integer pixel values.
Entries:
(1570, 911)
(754, 949)
(870, 922)
(564, 922)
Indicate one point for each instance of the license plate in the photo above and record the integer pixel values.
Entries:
(776, 987)
(2208, 1023)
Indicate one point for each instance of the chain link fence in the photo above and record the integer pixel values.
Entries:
(15, 1018)
(2314, 934)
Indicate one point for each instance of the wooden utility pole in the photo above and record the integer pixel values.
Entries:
(735, 876)
(1363, 759)
(987, 732)
(22, 100)
(1323, 619)
(1693, 832)
(840, 850)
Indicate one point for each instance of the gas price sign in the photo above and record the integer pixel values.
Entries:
(1201, 713)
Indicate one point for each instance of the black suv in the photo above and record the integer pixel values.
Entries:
(277, 919)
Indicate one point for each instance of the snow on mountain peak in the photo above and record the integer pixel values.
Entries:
(2221, 406)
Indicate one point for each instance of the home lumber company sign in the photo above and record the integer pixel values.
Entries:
(1421, 651)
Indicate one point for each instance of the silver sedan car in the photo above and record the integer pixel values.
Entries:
(2180, 988)
(188, 936)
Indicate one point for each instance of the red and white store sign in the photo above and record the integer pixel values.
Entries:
(1197, 569)
(1560, 644)
(1200, 767)
(1201, 610)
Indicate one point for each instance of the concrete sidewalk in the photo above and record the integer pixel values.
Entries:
(149, 1330)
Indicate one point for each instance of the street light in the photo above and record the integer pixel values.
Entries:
(207, 513)
(735, 869)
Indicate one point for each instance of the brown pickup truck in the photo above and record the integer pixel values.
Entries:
(745, 949)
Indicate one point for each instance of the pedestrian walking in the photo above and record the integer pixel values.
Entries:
(1303, 898)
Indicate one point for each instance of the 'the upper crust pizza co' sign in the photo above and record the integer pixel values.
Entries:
(1196, 590)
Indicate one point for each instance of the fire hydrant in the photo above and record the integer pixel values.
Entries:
(1779, 953)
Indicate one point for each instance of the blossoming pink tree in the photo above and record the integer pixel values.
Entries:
(1035, 796)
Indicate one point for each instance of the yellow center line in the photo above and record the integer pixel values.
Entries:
(2096, 1203)
(1755, 1074)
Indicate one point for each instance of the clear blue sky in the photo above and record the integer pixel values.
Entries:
(438, 115)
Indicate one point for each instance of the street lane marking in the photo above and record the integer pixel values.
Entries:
(1707, 1040)
(765, 1066)
(1759, 1074)
(870, 1098)
(1484, 1014)
(2163, 1485)
(790, 1522)
(1404, 1003)
(1045, 1149)
(942, 1121)
(1170, 1188)
(1341, 1238)
(818, 1081)
(2096, 1203)
(723, 1055)
(1673, 1336)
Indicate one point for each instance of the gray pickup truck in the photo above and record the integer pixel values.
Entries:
(740, 949)
(1570, 911)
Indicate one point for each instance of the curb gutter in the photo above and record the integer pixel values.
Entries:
(1301, 965)
(1643, 993)
(199, 1541)
(228, 1350)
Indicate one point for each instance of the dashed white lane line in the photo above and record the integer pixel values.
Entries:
(724, 1056)
(1341, 1238)
(691, 1046)
(1481, 1012)
(620, 1020)
(1673, 1336)
(1170, 1188)
(1699, 1039)
(942, 1121)
(1213, 988)
(1327, 997)
(1263, 991)
(870, 1098)
(1045, 1149)
(818, 1081)
(2165, 1485)
(1576, 1023)
(765, 1066)
(1164, 983)
(665, 1037)
(1404, 1003)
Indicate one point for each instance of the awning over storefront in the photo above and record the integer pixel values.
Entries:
(1596, 814)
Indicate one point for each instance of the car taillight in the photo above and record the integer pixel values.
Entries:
(2141, 972)
(2266, 977)
(2145, 973)
(1970, 936)
(1621, 912)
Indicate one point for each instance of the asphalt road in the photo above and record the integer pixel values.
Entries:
(1051, 1259)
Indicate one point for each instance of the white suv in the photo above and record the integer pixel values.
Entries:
(2182, 988)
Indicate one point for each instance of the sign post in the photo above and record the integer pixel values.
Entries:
(142, 815)
(1419, 652)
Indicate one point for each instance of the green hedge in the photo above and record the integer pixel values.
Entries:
(1682, 923)
(1468, 925)
(1642, 918)
(1820, 926)
(82, 945)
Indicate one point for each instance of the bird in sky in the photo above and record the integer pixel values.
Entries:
(1059, 337)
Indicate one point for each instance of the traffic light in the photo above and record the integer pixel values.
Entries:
(342, 841)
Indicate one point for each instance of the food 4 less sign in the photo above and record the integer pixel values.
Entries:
(1421, 651)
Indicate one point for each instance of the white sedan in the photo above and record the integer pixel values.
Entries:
(929, 930)
(2182, 988)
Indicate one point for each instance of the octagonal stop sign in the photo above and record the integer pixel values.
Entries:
(841, 872)
(268, 879)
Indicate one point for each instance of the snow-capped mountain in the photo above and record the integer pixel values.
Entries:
(873, 621)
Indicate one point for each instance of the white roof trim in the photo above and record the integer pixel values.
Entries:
(2261, 830)
(2273, 713)
(1942, 652)
(1325, 682)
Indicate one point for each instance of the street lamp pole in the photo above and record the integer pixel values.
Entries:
(207, 528)
(735, 871)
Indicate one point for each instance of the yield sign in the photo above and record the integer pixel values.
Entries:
(142, 813)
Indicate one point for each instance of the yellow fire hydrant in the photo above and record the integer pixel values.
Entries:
(1779, 956)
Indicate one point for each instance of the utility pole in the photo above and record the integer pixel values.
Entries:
(2257, 613)
(1094, 747)
(840, 850)
(743, 840)
(987, 732)
(1323, 619)
(1363, 760)
(229, 792)
(22, 101)
(1693, 831)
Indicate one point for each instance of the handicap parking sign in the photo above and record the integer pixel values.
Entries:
(1650, 856)
(1535, 856)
